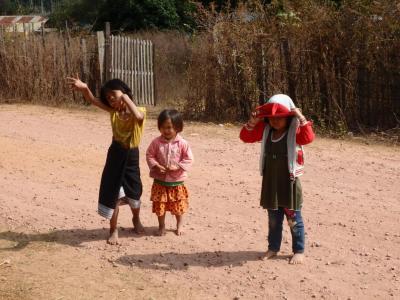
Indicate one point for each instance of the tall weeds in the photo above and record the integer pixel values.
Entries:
(34, 69)
(341, 66)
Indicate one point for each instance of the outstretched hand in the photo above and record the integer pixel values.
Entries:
(253, 119)
(76, 84)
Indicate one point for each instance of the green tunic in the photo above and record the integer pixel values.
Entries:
(277, 188)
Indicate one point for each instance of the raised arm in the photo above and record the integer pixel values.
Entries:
(132, 107)
(305, 133)
(76, 84)
(253, 131)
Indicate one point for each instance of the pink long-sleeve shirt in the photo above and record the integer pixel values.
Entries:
(176, 152)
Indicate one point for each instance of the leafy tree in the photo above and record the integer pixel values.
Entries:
(127, 14)
(8, 7)
(81, 12)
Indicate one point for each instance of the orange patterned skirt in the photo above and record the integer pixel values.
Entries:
(174, 199)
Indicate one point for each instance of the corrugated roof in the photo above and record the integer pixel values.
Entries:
(10, 20)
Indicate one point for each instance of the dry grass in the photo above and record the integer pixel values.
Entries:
(34, 68)
(172, 53)
(341, 66)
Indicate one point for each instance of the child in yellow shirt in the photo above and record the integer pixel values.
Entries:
(120, 181)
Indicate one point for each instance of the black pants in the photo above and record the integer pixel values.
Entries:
(121, 169)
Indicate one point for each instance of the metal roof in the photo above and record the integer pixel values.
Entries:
(11, 20)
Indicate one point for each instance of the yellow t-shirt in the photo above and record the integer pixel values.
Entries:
(126, 129)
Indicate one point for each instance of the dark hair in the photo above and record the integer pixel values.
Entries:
(114, 84)
(288, 121)
(175, 117)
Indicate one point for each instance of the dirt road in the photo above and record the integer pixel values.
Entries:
(52, 242)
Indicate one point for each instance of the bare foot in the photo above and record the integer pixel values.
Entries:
(161, 231)
(270, 254)
(113, 239)
(179, 231)
(137, 225)
(297, 259)
(179, 225)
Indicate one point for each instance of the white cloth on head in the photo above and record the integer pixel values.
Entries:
(282, 99)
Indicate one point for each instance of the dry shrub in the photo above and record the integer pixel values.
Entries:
(34, 68)
(341, 66)
(172, 52)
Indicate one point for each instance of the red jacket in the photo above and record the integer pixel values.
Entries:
(297, 137)
(304, 134)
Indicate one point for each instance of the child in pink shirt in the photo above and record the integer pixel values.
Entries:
(169, 157)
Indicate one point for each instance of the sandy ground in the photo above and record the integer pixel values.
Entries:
(52, 242)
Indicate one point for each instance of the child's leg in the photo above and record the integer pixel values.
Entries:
(135, 208)
(179, 224)
(161, 225)
(134, 186)
(113, 238)
(178, 208)
(137, 225)
(275, 221)
(158, 193)
(296, 225)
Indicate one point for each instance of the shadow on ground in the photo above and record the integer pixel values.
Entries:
(182, 261)
(71, 237)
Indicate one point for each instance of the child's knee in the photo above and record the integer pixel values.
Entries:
(135, 204)
(296, 225)
(272, 222)
(292, 223)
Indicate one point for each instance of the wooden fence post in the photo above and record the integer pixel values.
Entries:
(84, 65)
(153, 76)
(100, 47)
(42, 33)
(68, 63)
(107, 52)
(137, 92)
(130, 60)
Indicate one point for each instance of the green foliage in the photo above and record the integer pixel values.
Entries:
(81, 12)
(128, 14)
(26, 7)
(145, 14)
(8, 7)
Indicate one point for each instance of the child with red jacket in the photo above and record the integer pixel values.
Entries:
(282, 138)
